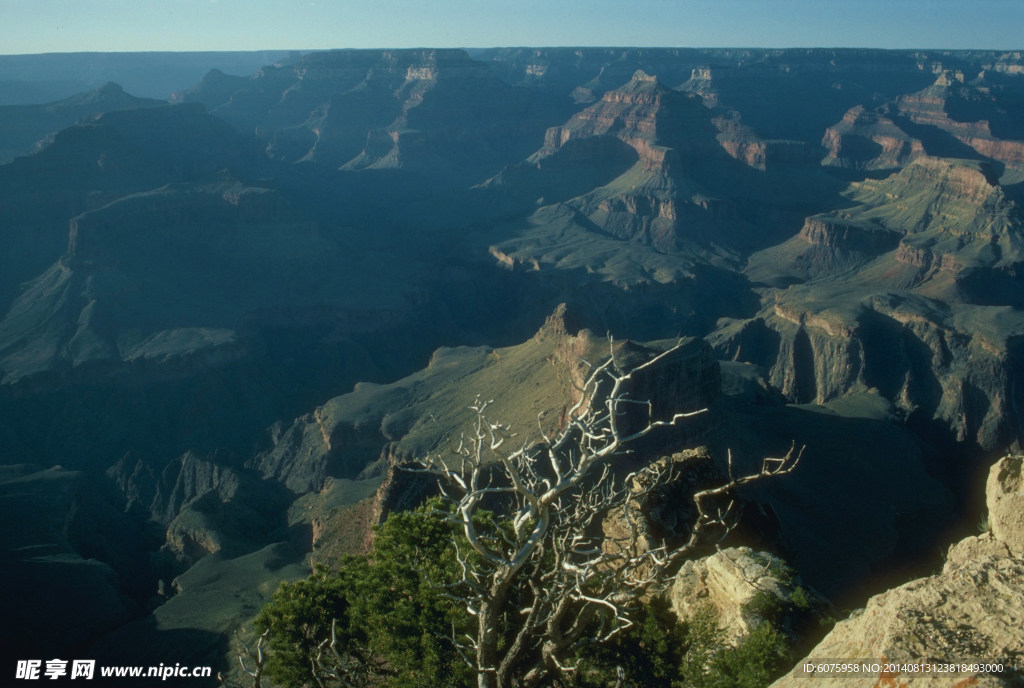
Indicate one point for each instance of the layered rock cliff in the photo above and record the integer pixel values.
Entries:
(229, 254)
(89, 165)
(429, 111)
(911, 292)
(967, 110)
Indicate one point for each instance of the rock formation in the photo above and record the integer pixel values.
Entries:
(972, 610)
(90, 165)
(431, 111)
(23, 127)
(740, 586)
(967, 110)
(868, 140)
(926, 256)
(1004, 494)
(400, 421)
(124, 258)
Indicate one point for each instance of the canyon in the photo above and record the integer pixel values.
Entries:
(231, 313)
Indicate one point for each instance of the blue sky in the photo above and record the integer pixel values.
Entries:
(36, 26)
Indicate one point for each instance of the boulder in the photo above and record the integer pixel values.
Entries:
(1005, 499)
(731, 581)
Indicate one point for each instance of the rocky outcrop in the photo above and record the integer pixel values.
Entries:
(657, 202)
(588, 72)
(742, 143)
(964, 188)
(646, 115)
(972, 610)
(1010, 152)
(834, 233)
(215, 89)
(232, 254)
(1005, 500)
(232, 527)
(205, 504)
(666, 511)
(161, 495)
(868, 140)
(430, 110)
(812, 92)
(762, 155)
(87, 166)
(434, 95)
(929, 364)
(405, 419)
(740, 586)
(401, 490)
(562, 172)
(298, 454)
(923, 259)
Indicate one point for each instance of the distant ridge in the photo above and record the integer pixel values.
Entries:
(43, 78)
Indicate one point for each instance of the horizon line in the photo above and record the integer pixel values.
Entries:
(523, 47)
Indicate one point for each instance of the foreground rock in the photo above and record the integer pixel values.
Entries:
(1005, 498)
(743, 587)
(972, 610)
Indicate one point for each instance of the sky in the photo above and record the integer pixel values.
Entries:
(41, 26)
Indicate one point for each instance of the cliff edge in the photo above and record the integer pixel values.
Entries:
(972, 610)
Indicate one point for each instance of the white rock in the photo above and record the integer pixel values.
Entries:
(728, 580)
(1005, 498)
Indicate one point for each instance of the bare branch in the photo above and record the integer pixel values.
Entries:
(569, 588)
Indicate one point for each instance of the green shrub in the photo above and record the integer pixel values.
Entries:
(659, 651)
(387, 608)
(298, 618)
(984, 526)
(656, 651)
(799, 598)
(765, 605)
(759, 659)
(383, 605)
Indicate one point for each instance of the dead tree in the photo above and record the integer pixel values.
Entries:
(354, 667)
(570, 586)
(257, 656)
